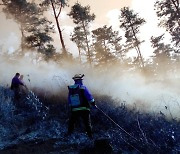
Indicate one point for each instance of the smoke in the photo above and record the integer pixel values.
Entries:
(9, 34)
(133, 89)
(144, 93)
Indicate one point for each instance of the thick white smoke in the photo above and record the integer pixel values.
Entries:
(133, 89)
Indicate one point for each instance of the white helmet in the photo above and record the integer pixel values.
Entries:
(78, 77)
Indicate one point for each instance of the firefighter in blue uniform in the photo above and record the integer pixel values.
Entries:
(15, 86)
(80, 100)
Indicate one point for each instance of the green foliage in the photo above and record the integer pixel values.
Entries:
(56, 6)
(102, 34)
(168, 12)
(21, 11)
(131, 23)
(78, 37)
(115, 41)
(35, 28)
(160, 47)
(81, 14)
(47, 3)
(162, 55)
(103, 39)
(82, 17)
(38, 40)
(49, 51)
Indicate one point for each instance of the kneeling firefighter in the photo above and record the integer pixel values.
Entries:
(80, 99)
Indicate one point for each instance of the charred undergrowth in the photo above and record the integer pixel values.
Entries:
(40, 122)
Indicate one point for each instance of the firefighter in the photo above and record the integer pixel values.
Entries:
(15, 86)
(80, 100)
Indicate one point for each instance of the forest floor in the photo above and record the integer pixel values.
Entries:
(40, 126)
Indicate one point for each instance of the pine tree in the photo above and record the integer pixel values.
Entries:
(168, 11)
(115, 41)
(81, 17)
(79, 39)
(56, 6)
(131, 23)
(35, 28)
(102, 41)
(162, 55)
(21, 11)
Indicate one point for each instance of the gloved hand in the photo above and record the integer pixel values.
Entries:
(94, 105)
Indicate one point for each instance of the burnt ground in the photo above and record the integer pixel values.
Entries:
(39, 126)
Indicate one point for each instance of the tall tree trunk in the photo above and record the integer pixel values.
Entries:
(87, 44)
(138, 49)
(140, 55)
(59, 29)
(104, 43)
(22, 39)
(139, 60)
(22, 34)
(79, 54)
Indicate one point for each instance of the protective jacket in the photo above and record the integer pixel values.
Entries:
(15, 83)
(79, 97)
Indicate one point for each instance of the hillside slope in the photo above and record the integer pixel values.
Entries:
(39, 126)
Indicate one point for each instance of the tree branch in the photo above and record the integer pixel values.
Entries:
(52, 4)
(176, 6)
(60, 10)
